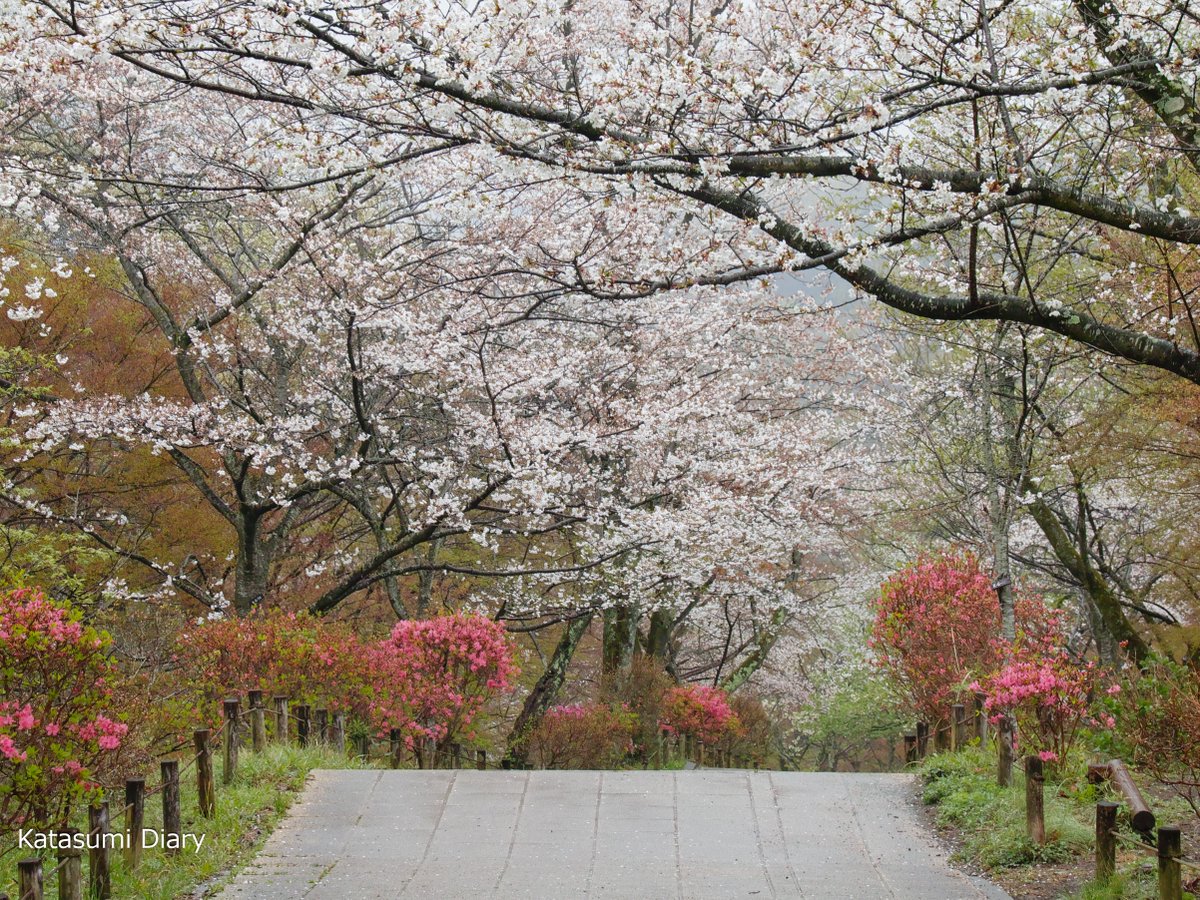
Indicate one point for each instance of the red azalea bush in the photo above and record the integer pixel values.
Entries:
(57, 728)
(936, 630)
(281, 653)
(701, 712)
(584, 736)
(432, 677)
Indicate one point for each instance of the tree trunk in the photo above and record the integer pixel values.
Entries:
(1108, 605)
(253, 565)
(620, 639)
(542, 697)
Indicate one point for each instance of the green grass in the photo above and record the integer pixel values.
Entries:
(963, 787)
(247, 811)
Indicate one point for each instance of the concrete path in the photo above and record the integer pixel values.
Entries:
(355, 835)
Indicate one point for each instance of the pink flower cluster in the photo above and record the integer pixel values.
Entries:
(699, 711)
(56, 731)
(432, 677)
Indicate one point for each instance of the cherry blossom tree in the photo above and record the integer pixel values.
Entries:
(896, 146)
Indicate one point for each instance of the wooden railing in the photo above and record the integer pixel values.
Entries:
(1165, 843)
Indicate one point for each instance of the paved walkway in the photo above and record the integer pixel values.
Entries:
(356, 835)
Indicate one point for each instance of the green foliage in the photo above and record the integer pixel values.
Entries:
(963, 787)
(838, 724)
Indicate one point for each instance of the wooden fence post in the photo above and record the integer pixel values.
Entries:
(1004, 738)
(99, 874)
(231, 739)
(338, 732)
(322, 727)
(456, 755)
(1170, 849)
(29, 879)
(1106, 839)
(941, 735)
(170, 803)
(258, 721)
(958, 716)
(135, 818)
(922, 739)
(302, 725)
(70, 874)
(281, 720)
(206, 786)
(1035, 813)
(910, 749)
(481, 759)
(981, 719)
(396, 745)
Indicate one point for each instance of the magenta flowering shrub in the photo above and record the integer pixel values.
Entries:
(1050, 695)
(57, 730)
(432, 677)
(700, 712)
(584, 736)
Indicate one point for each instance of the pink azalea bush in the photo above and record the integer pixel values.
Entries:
(1050, 696)
(58, 732)
(700, 712)
(432, 677)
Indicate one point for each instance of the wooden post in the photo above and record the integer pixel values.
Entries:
(135, 818)
(258, 721)
(1106, 839)
(302, 725)
(338, 732)
(281, 720)
(99, 875)
(481, 759)
(419, 753)
(1035, 812)
(941, 735)
(700, 754)
(456, 755)
(958, 715)
(363, 743)
(29, 879)
(1170, 875)
(206, 786)
(70, 874)
(922, 739)
(231, 739)
(1004, 738)
(1140, 815)
(170, 803)
(981, 719)
(322, 725)
(396, 746)
(910, 749)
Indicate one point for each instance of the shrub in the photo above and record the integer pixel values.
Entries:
(57, 730)
(1049, 694)
(432, 677)
(1157, 716)
(290, 654)
(584, 736)
(640, 689)
(701, 712)
(936, 629)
